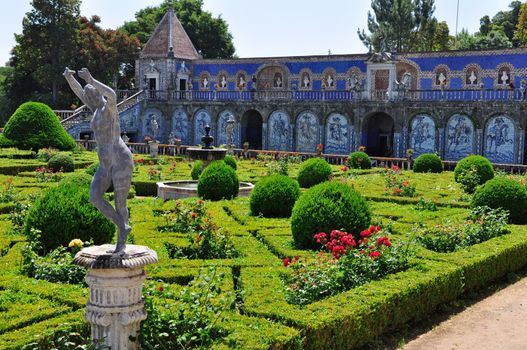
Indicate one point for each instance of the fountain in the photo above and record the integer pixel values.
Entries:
(189, 188)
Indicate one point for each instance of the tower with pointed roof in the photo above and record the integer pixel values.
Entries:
(164, 62)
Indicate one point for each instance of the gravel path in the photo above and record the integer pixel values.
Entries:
(495, 323)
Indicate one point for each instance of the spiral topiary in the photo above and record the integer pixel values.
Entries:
(230, 161)
(35, 126)
(428, 163)
(313, 171)
(61, 162)
(196, 170)
(326, 207)
(64, 213)
(504, 193)
(359, 160)
(218, 181)
(274, 196)
(479, 165)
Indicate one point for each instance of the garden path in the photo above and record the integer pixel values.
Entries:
(497, 322)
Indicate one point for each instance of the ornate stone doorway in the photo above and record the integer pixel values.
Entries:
(377, 135)
(251, 129)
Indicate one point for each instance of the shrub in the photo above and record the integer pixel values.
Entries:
(481, 168)
(230, 161)
(5, 142)
(428, 163)
(92, 169)
(61, 162)
(274, 196)
(395, 184)
(64, 213)
(324, 207)
(77, 179)
(197, 169)
(504, 193)
(35, 126)
(218, 181)
(313, 171)
(45, 154)
(359, 160)
(280, 166)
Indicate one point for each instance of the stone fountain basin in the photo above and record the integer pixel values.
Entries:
(189, 188)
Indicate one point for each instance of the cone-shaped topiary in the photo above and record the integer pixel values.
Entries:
(64, 213)
(218, 181)
(61, 162)
(326, 207)
(274, 196)
(504, 193)
(472, 171)
(35, 126)
(428, 163)
(313, 171)
(359, 160)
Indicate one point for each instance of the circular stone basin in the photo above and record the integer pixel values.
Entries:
(189, 188)
(206, 155)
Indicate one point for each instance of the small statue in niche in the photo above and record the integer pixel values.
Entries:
(504, 78)
(473, 79)
(278, 81)
(223, 82)
(205, 83)
(329, 81)
(241, 82)
(306, 82)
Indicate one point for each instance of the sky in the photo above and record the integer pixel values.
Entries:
(268, 27)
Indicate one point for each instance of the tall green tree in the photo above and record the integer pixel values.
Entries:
(405, 25)
(109, 54)
(520, 34)
(209, 35)
(48, 43)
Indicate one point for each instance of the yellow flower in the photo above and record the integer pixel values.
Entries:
(76, 243)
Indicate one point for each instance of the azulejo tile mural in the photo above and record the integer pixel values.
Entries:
(180, 126)
(499, 139)
(338, 134)
(306, 132)
(422, 134)
(279, 130)
(459, 137)
(221, 138)
(202, 118)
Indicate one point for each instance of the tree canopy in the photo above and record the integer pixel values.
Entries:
(209, 35)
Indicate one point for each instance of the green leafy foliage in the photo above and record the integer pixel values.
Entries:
(428, 163)
(218, 181)
(45, 154)
(324, 207)
(35, 126)
(230, 161)
(188, 318)
(472, 171)
(61, 162)
(274, 196)
(92, 169)
(197, 169)
(482, 224)
(64, 213)
(506, 194)
(359, 160)
(313, 171)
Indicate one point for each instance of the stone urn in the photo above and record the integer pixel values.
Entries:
(154, 148)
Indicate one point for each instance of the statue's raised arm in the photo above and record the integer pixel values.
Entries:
(103, 89)
(74, 84)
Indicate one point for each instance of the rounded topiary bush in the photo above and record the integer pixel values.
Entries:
(274, 196)
(359, 160)
(64, 213)
(35, 126)
(61, 162)
(197, 168)
(428, 163)
(326, 207)
(218, 181)
(313, 171)
(230, 161)
(482, 165)
(504, 193)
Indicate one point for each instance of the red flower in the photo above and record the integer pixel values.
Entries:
(344, 168)
(366, 233)
(200, 202)
(321, 237)
(287, 262)
(160, 289)
(194, 215)
(295, 259)
(395, 168)
(374, 229)
(375, 254)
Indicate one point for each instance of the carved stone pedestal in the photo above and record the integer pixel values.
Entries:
(154, 148)
(115, 307)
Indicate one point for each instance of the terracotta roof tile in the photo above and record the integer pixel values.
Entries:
(169, 33)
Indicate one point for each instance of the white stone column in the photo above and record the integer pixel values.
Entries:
(115, 307)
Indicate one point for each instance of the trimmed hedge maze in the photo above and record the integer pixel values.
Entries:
(31, 310)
